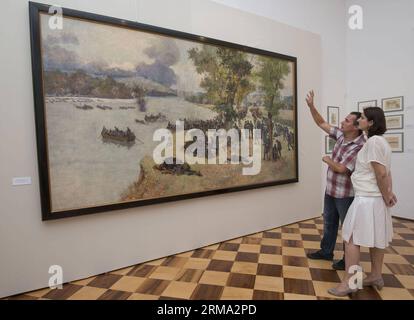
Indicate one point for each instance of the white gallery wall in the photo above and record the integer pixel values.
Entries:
(89, 245)
(380, 64)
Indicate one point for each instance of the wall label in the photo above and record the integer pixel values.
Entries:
(21, 181)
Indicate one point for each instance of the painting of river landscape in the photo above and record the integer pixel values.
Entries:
(107, 88)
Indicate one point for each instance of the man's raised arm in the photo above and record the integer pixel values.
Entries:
(319, 120)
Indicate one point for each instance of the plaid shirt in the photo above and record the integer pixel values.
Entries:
(339, 185)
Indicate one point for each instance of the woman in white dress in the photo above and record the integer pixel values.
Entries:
(368, 222)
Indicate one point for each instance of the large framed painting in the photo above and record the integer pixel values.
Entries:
(129, 114)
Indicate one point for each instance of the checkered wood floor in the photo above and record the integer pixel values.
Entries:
(265, 265)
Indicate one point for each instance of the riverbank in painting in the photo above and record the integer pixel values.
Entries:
(153, 183)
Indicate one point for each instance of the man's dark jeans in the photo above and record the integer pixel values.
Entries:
(334, 210)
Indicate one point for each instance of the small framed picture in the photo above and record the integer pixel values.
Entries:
(395, 140)
(395, 122)
(393, 104)
(329, 144)
(364, 104)
(333, 116)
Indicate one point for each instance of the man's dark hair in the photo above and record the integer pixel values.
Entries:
(357, 115)
(376, 115)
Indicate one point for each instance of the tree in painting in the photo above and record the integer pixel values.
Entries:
(226, 78)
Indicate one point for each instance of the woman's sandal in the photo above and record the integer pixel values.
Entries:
(377, 284)
(341, 293)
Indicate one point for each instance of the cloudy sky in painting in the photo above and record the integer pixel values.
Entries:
(96, 47)
(104, 49)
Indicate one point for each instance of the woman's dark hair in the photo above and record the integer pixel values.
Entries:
(376, 115)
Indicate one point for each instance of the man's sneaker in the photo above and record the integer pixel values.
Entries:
(339, 265)
(318, 255)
